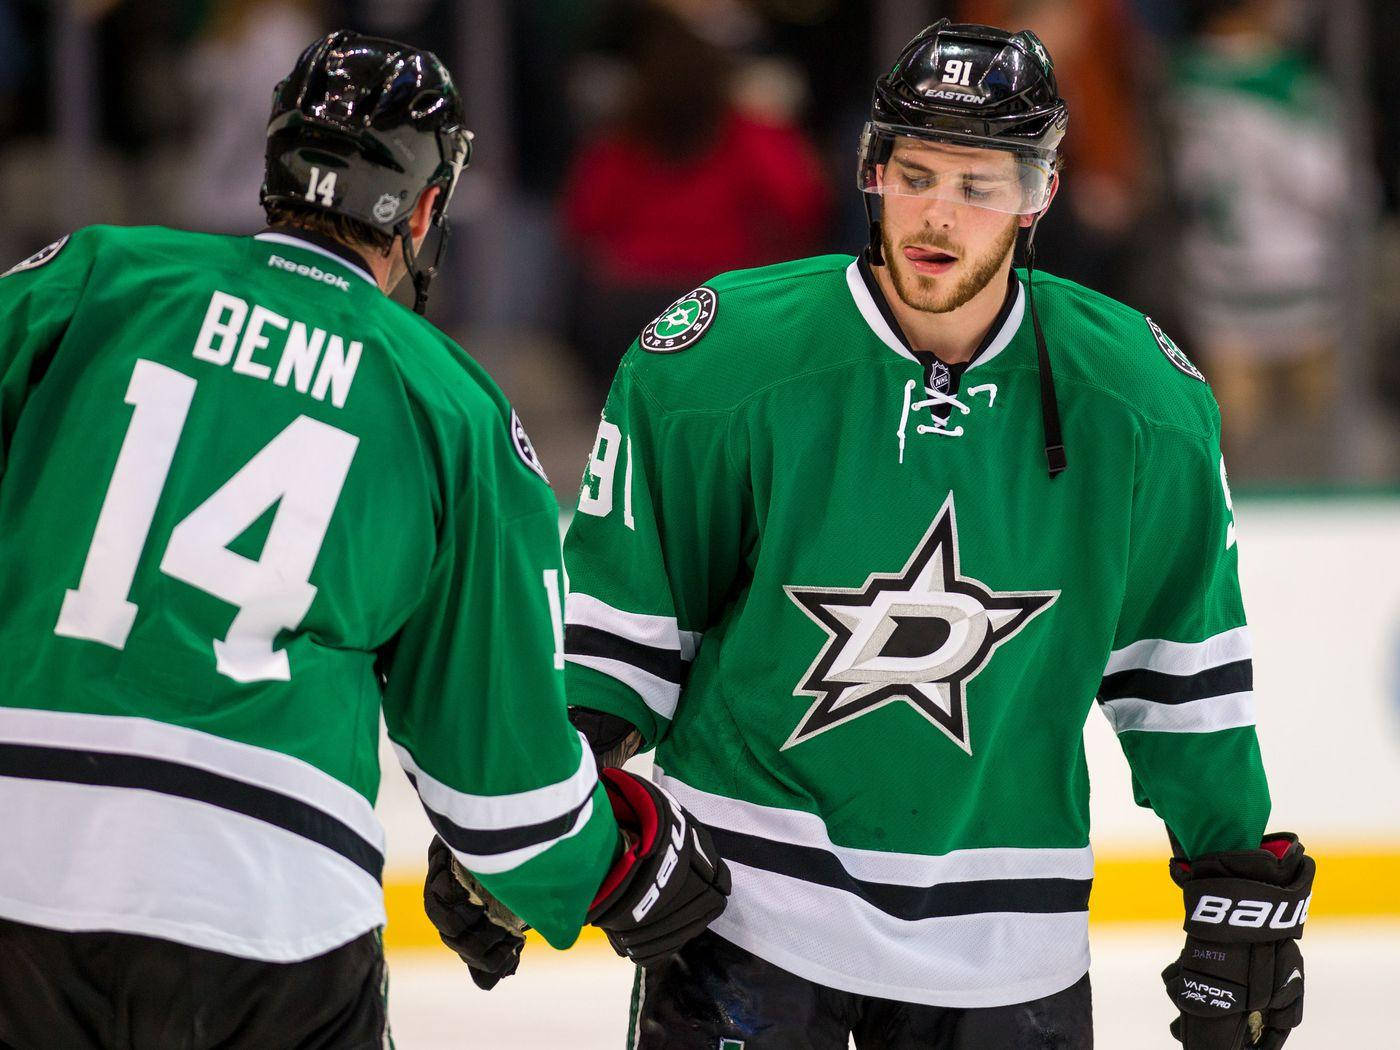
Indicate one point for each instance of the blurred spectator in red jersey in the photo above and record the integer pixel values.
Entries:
(686, 184)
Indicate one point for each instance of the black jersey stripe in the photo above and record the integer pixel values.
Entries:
(105, 769)
(582, 640)
(1236, 677)
(812, 864)
(485, 842)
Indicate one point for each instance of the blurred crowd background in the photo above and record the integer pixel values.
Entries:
(1232, 169)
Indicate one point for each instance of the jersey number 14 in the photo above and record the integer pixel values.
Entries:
(302, 470)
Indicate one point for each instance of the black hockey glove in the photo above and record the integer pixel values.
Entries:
(1239, 980)
(668, 884)
(469, 920)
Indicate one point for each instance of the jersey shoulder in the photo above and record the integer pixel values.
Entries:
(72, 256)
(463, 400)
(1107, 345)
(184, 249)
(738, 332)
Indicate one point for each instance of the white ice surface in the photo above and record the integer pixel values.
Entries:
(578, 1000)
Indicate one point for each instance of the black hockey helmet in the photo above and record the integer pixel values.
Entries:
(361, 127)
(985, 88)
(975, 86)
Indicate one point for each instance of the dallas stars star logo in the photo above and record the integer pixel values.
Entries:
(917, 636)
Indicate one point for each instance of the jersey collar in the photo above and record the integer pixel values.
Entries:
(327, 246)
(870, 301)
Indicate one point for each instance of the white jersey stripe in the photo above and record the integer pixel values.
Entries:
(963, 961)
(495, 863)
(144, 737)
(1210, 715)
(1182, 658)
(502, 812)
(93, 857)
(843, 940)
(658, 694)
(658, 632)
(909, 869)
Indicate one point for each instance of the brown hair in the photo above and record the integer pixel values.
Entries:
(351, 232)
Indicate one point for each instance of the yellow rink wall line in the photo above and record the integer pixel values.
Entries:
(1351, 883)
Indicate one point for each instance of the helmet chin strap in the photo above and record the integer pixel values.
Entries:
(421, 278)
(1055, 458)
(877, 248)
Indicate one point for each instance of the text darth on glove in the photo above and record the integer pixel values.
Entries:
(1239, 980)
(668, 884)
(470, 921)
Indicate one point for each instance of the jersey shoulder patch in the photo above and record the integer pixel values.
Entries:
(1173, 353)
(38, 259)
(682, 324)
(524, 447)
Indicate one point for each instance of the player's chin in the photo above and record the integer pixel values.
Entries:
(928, 292)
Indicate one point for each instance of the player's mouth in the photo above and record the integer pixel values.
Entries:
(931, 262)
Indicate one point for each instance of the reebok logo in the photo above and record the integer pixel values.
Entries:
(1251, 914)
(313, 272)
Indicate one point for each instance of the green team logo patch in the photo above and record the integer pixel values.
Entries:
(682, 324)
(38, 259)
(524, 447)
(1174, 353)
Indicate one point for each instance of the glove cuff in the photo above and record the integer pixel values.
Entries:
(1247, 895)
(637, 815)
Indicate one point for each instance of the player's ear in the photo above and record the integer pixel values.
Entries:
(423, 213)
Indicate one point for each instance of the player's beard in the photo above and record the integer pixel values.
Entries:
(924, 293)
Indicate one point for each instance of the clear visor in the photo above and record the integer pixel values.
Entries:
(994, 179)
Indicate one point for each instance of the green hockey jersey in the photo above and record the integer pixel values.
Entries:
(246, 503)
(841, 595)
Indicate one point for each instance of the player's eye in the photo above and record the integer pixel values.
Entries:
(917, 182)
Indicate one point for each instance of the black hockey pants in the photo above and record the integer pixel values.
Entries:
(119, 991)
(714, 995)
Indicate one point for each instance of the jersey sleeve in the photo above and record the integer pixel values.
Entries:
(653, 553)
(474, 703)
(37, 299)
(1178, 687)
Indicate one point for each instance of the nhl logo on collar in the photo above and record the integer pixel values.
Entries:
(682, 324)
(1174, 353)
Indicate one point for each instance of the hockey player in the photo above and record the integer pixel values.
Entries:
(246, 503)
(860, 544)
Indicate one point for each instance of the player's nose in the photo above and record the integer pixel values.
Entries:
(940, 213)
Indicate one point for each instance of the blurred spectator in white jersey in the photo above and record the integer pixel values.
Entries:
(1259, 168)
